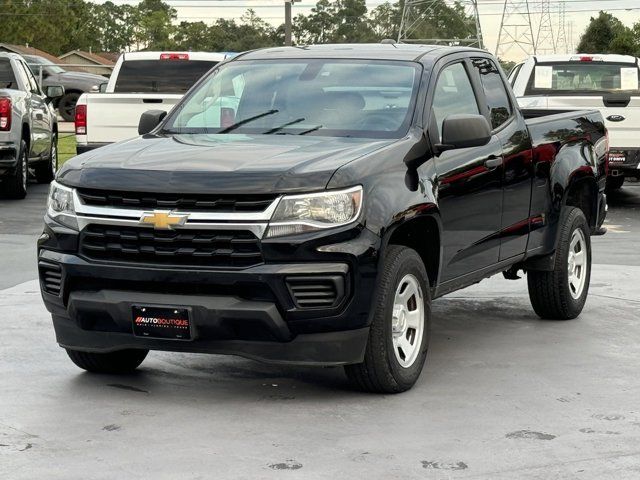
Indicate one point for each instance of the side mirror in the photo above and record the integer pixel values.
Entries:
(54, 91)
(464, 131)
(103, 87)
(150, 120)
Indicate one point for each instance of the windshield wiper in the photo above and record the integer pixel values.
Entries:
(283, 126)
(311, 130)
(247, 120)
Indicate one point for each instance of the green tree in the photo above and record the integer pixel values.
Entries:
(600, 33)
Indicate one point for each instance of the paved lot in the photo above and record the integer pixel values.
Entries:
(504, 395)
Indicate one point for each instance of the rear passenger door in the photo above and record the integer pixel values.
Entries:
(38, 111)
(469, 179)
(508, 126)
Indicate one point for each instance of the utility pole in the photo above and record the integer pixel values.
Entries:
(416, 15)
(545, 41)
(287, 21)
(515, 30)
(562, 42)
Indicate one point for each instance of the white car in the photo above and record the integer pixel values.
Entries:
(608, 83)
(140, 81)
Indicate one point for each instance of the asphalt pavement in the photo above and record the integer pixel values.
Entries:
(504, 394)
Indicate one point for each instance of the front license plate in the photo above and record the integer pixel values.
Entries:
(617, 157)
(162, 322)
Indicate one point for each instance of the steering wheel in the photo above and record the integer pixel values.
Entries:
(378, 121)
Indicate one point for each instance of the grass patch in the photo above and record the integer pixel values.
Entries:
(66, 147)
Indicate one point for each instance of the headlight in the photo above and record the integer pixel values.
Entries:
(306, 213)
(60, 206)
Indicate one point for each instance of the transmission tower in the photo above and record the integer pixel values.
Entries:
(417, 15)
(545, 41)
(562, 42)
(516, 32)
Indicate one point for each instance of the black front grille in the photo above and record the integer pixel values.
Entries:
(316, 291)
(198, 248)
(51, 277)
(169, 201)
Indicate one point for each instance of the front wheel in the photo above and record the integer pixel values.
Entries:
(399, 334)
(121, 361)
(560, 294)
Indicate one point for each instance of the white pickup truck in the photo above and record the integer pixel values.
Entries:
(608, 83)
(140, 81)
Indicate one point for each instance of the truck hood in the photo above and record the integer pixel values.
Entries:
(216, 163)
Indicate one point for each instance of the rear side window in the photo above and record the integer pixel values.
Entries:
(160, 76)
(7, 78)
(453, 94)
(583, 78)
(495, 92)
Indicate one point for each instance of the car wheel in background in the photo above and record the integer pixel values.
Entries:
(16, 185)
(67, 106)
(560, 294)
(121, 361)
(400, 331)
(46, 171)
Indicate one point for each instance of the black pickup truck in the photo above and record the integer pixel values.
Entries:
(306, 205)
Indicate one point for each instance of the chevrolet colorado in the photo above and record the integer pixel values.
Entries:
(305, 205)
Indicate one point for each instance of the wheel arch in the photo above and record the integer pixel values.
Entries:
(421, 233)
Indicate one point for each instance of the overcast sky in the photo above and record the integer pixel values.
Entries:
(578, 12)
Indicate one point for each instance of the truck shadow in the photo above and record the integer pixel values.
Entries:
(460, 326)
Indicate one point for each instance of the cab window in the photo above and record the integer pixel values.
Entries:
(495, 92)
(453, 95)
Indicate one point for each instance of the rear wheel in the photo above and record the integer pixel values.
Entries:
(122, 361)
(399, 335)
(16, 185)
(560, 294)
(46, 171)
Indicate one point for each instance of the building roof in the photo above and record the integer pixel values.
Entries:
(92, 57)
(27, 50)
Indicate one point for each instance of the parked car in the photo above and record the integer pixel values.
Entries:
(608, 83)
(140, 80)
(306, 205)
(28, 127)
(74, 83)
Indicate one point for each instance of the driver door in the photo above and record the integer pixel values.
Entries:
(469, 180)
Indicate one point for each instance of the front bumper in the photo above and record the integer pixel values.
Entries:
(630, 167)
(249, 312)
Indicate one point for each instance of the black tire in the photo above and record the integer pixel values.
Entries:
(550, 292)
(122, 361)
(67, 106)
(46, 171)
(615, 183)
(381, 371)
(16, 185)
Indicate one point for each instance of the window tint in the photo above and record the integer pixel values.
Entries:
(453, 94)
(494, 91)
(7, 78)
(165, 76)
(33, 84)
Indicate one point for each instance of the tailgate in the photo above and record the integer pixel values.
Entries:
(112, 117)
(622, 122)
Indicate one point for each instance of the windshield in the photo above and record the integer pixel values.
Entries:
(34, 64)
(302, 97)
(583, 78)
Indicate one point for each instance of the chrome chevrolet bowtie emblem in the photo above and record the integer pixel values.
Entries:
(163, 219)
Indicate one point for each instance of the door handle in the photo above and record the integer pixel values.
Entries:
(493, 162)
